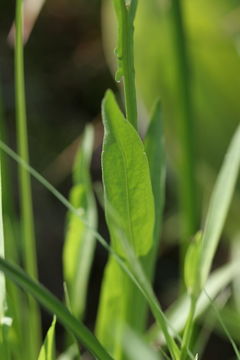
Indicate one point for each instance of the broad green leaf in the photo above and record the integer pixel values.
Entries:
(219, 205)
(154, 147)
(80, 241)
(54, 306)
(191, 266)
(126, 179)
(47, 351)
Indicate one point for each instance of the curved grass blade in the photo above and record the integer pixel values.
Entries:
(54, 306)
(47, 351)
(219, 205)
(80, 241)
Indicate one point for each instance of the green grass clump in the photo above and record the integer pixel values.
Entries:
(134, 182)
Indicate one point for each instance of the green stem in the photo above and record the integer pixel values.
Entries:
(188, 199)
(126, 16)
(29, 246)
(188, 329)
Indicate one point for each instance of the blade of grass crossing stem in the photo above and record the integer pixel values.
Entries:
(187, 175)
(54, 306)
(137, 278)
(219, 205)
(177, 314)
(125, 55)
(47, 351)
(80, 241)
(128, 192)
(28, 236)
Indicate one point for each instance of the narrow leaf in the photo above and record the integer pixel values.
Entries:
(80, 241)
(54, 306)
(47, 351)
(154, 147)
(219, 205)
(126, 179)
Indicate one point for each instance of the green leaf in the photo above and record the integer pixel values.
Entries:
(219, 205)
(54, 306)
(47, 351)
(191, 266)
(126, 179)
(154, 147)
(80, 240)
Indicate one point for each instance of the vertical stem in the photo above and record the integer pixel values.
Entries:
(188, 330)
(187, 181)
(126, 56)
(28, 236)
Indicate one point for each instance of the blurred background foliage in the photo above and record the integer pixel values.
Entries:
(68, 58)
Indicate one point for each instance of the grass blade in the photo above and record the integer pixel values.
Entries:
(185, 126)
(54, 306)
(219, 205)
(80, 241)
(28, 235)
(154, 147)
(47, 351)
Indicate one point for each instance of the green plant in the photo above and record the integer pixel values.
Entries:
(134, 175)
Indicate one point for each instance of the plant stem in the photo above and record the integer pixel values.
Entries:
(188, 186)
(28, 236)
(126, 57)
(188, 329)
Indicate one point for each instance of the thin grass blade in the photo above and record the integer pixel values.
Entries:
(55, 307)
(219, 205)
(47, 351)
